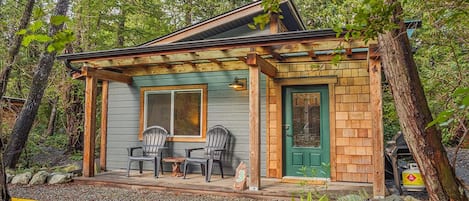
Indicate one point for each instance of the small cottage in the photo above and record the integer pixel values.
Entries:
(286, 104)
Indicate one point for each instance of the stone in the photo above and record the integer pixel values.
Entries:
(71, 168)
(240, 178)
(39, 178)
(22, 178)
(59, 178)
(9, 177)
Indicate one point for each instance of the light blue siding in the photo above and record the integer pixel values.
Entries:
(225, 107)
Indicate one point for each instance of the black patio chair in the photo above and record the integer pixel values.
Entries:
(217, 138)
(153, 144)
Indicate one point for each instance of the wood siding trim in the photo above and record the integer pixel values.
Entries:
(102, 75)
(278, 93)
(104, 112)
(90, 126)
(177, 87)
(253, 59)
(254, 128)
(332, 134)
(379, 188)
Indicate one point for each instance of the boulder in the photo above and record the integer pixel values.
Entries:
(59, 178)
(71, 168)
(9, 177)
(22, 178)
(39, 178)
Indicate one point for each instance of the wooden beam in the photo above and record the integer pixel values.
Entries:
(190, 63)
(377, 128)
(312, 54)
(243, 59)
(373, 52)
(274, 23)
(348, 52)
(90, 126)
(254, 128)
(274, 54)
(219, 63)
(104, 109)
(102, 75)
(186, 68)
(253, 59)
(222, 52)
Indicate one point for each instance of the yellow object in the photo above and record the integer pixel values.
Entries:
(21, 199)
(412, 179)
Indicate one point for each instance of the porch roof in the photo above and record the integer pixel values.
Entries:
(224, 43)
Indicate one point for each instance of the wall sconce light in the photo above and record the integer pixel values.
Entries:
(238, 84)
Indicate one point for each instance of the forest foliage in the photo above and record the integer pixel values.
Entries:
(441, 51)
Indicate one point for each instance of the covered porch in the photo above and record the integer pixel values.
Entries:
(272, 188)
(285, 59)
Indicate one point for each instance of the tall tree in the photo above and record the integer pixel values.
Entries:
(414, 114)
(4, 77)
(25, 120)
(383, 18)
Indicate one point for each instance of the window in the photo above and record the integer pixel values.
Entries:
(179, 109)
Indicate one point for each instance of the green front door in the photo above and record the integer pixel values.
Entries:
(306, 131)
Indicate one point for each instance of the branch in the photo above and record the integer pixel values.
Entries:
(461, 141)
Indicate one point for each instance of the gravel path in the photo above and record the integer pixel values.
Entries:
(78, 192)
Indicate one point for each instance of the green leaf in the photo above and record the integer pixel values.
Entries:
(58, 20)
(41, 38)
(336, 59)
(50, 48)
(27, 40)
(310, 196)
(461, 91)
(36, 26)
(465, 101)
(324, 198)
(21, 32)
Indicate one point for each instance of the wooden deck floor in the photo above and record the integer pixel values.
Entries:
(271, 189)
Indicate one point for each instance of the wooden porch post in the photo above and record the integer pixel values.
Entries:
(254, 128)
(90, 126)
(377, 123)
(103, 147)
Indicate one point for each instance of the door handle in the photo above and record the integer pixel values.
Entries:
(286, 127)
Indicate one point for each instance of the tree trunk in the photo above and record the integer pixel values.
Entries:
(414, 115)
(74, 115)
(52, 117)
(15, 47)
(4, 77)
(121, 27)
(189, 12)
(23, 124)
(3, 178)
